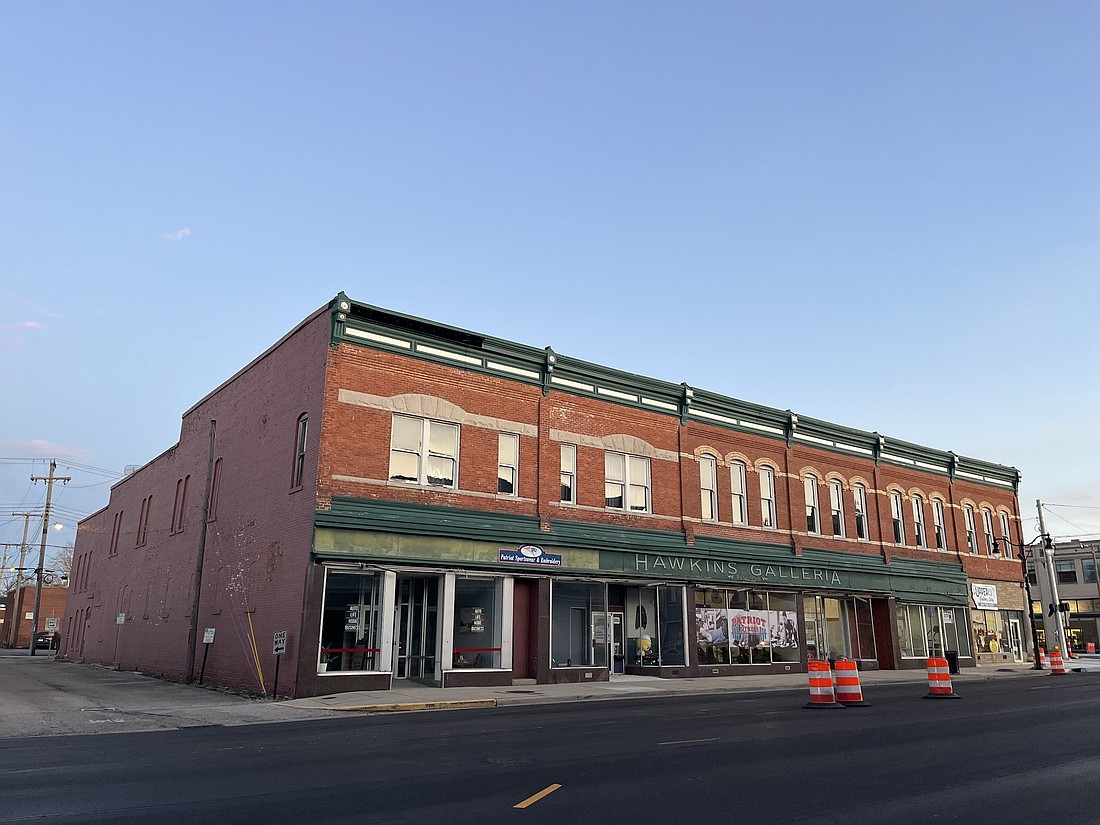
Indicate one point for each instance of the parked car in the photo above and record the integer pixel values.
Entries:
(47, 640)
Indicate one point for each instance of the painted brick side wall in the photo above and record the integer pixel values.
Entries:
(257, 546)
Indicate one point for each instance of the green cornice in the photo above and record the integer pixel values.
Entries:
(363, 325)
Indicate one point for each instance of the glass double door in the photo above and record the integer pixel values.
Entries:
(416, 611)
(838, 628)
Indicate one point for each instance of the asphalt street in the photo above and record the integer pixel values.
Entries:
(1012, 750)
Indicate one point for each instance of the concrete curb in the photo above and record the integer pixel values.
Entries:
(400, 707)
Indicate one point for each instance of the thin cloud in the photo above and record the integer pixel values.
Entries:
(36, 447)
(12, 337)
(178, 235)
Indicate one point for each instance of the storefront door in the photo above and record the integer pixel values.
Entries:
(618, 643)
(415, 631)
(1015, 640)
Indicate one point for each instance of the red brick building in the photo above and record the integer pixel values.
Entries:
(18, 621)
(409, 500)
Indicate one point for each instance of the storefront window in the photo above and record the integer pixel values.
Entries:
(655, 631)
(911, 631)
(578, 624)
(712, 638)
(931, 631)
(746, 628)
(954, 630)
(783, 626)
(477, 623)
(350, 623)
(986, 638)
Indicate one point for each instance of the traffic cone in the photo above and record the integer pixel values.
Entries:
(939, 679)
(1057, 666)
(1044, 664)
(848, 691)
(821, 686)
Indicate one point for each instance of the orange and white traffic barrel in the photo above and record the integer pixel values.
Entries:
(846, 676)
(821, 685)
(1057, 666)
(1043, 663)
(939, 679)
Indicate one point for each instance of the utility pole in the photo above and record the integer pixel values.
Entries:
(23, 545)
(12, 628)
(1053, 607)
(50, 479)
(4, 566)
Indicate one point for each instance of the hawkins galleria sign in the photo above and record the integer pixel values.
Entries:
(744, 572)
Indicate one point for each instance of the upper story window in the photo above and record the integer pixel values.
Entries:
(1066, 570)
(423, 452)
(938, 524)
(568, 474)
(971, 530)
(1006, 536)
(1088, 570)
(987, 528)
(767, 497)
(918, 520)
(626, 482)
(300, 451)
(897, 517)
(1031, 577)
(508, 464)
(708, 488)
(810, 485)
(836, 506)
(179, 508)
(739, 514)
(859, 493)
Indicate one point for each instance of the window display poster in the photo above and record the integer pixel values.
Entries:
(712, 625)
(351, 620)
(750, 628)
(783, 627)
(471, 620)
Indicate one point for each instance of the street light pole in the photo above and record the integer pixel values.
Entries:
(1026, 551)
(1061, 640)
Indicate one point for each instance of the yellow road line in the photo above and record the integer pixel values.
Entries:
(531, 800)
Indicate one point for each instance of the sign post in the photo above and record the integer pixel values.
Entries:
(207, 640)
(278, 647)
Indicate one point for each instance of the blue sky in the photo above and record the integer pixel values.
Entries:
(880, 214)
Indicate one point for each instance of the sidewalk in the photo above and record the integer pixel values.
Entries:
(411, 696)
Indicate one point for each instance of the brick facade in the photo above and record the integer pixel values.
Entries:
(251, 541)
(15, 631)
